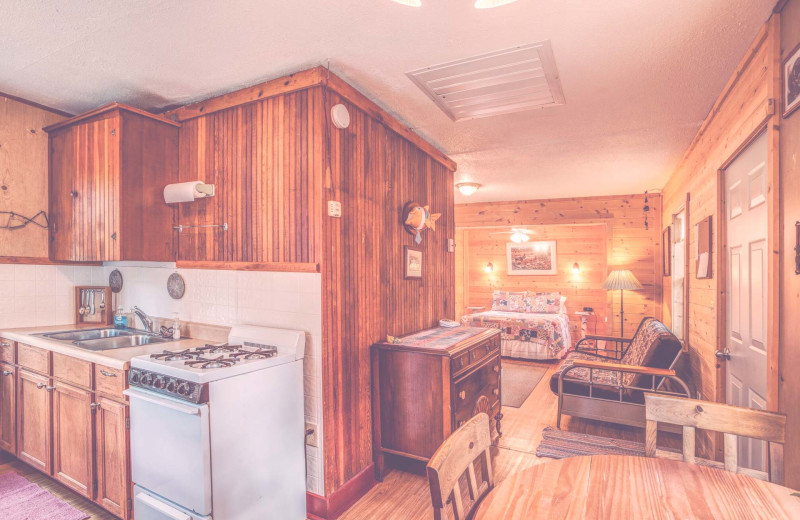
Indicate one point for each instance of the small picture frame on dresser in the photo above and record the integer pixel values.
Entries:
(412, 263)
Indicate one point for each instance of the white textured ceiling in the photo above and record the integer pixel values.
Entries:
(639, 76)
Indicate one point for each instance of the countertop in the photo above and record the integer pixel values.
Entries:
(116, 358)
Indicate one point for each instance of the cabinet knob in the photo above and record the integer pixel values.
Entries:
(114, 235)
(49, 388)
(462, 395)
(496, 368)
(94, 405)
(496, 391)
(6, 373)
(73, 194)
(40, 385)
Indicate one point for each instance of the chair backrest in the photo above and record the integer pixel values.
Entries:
(456, 456)
(732, 421)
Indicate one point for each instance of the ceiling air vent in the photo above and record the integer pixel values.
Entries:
(513, 80)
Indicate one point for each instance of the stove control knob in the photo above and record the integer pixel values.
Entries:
(159, 382)
(134, 377)
(184, 389)
(171, 385)
(147, 379)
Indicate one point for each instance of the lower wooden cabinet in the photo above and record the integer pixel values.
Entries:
(113, 463)
(73, 438)
(8, 408)
(34, 420)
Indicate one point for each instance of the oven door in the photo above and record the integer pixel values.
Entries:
(171, 450)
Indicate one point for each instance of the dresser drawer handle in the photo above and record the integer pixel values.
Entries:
(496, 391)
(473, 354)
(462, 395)
(108, 374)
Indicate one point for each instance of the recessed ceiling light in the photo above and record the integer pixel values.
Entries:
(412, 3)
(487, 4)
(468, 188)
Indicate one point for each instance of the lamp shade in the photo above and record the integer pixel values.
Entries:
(621, 279)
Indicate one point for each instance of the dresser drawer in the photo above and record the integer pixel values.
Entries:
(34, 358)
(72, 370)
(109, 382)
(474, 356)
(8, 351)
(477, 392)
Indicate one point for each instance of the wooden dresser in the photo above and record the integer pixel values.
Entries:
(429, 384)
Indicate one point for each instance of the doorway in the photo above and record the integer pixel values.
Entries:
(747, 288)
(678, 270)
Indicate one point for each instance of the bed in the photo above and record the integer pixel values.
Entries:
(532, 325)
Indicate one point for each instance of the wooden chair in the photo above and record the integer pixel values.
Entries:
(456, 456)
(733, 421)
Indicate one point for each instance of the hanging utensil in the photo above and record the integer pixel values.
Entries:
(82, 308)
(91, 297)
(102, 300)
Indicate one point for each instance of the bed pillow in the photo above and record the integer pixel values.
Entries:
(543, 303)
(508, 301)
(563, 309)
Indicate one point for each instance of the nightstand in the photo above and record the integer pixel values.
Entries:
(585, 321)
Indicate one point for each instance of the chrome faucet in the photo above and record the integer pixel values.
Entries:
(146, 321)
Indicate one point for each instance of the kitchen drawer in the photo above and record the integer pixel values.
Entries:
(477, 392)
(7, 351)
(110, 382)
(34, 358)
(72, 370)
(474, 356)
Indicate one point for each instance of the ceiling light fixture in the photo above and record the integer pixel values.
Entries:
(468, 188)
(412, 3)
(519, 237)
(488, 4)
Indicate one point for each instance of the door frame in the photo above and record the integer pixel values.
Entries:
(773, 263)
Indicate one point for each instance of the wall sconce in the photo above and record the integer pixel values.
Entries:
(489, 268)
(576, 269)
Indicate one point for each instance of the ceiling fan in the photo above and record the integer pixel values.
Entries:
(518, 235)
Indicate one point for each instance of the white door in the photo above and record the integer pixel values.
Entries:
(746, 330)
(677, 271)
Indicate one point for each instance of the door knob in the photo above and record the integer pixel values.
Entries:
(723, 354)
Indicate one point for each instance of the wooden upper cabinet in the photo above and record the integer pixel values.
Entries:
(108, 169)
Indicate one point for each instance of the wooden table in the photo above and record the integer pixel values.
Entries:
(621, 487)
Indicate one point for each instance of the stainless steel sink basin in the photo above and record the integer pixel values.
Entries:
(118, 342)
(105, 339)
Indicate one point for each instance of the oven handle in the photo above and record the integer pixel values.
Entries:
(161, 507)
(163, 402)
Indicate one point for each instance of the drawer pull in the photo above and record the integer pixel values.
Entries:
(94, 405)
(496, 391)
(40, 385)
(108, 374)
(496, 368)
(6, 373)
(5, 344)
(462, 395)
(49, 388)
(473, 354)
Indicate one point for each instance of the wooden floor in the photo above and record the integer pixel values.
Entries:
(405, 496)
(95, 512)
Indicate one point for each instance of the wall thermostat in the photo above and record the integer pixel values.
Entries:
(334, 208)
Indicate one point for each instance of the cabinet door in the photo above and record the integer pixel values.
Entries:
(73, 438)
(63, 168)
(96, 206)
(113, 457)
(8, 410)
(34, 420)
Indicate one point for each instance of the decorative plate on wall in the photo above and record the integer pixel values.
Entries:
(115, 281)
(176, 287)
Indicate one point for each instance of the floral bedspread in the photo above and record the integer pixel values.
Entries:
(549, 331)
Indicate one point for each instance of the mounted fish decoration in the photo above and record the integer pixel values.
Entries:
(417, 218)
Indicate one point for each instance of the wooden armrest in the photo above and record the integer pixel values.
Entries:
(664, 372)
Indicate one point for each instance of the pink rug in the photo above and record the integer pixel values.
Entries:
(21, 499)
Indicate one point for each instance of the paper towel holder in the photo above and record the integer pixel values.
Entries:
(207, 189)
(196, 189)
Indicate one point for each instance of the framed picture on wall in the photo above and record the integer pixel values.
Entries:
(531, 258)
(791, 82)
(666, 250)
(412, 263)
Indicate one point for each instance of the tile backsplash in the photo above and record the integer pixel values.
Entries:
(40, 295)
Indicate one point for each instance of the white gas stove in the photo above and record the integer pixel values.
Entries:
(218, 431)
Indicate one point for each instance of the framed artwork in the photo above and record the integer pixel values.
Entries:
(791, 82)
(531, 258)
(666, 250)
(412, 263)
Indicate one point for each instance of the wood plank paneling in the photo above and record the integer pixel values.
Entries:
(374, 172)
(744, 108)
(23, 173)
(789, 387)
(629, 244)
(263, 159)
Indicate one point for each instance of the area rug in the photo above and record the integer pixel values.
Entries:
(518, 382)
(21, 499)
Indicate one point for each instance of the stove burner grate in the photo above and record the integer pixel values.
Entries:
(174, 355)
(261, 353)
(218, 349)
(217, 362)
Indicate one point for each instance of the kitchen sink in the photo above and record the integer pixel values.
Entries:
(105, 339)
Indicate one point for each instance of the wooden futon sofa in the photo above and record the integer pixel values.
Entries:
(605, 378)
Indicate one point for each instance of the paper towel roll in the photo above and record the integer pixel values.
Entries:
(182, 192)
